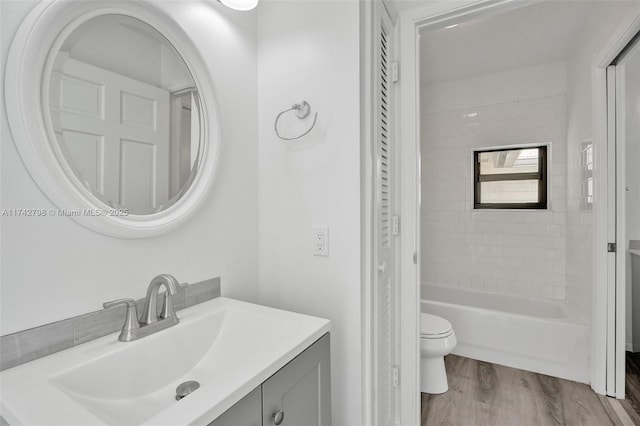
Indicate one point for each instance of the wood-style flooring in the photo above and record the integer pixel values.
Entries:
(481, 393)
(631, 403)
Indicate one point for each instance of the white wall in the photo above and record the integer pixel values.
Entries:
(632, 150)
(130, 48)
(310, 50)
(508, 252)
(53, 268)
(108, 44)
(604, 18)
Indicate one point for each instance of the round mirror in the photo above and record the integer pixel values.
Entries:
(111, 107)
(125, 113)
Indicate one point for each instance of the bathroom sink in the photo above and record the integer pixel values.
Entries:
(229, 347)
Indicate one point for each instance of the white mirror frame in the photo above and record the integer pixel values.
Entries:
(27, 75)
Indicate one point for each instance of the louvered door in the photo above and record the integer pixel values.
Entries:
(385, 255)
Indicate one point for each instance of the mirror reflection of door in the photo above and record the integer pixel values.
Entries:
(185, 128)
(121, 103)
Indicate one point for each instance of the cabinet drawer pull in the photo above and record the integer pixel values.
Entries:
(278, 417)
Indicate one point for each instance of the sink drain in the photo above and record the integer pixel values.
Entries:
(186, 388)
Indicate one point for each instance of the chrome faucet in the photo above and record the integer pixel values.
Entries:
(150, 322)
(149, 315)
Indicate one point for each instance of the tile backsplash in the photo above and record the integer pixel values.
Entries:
(28, 345)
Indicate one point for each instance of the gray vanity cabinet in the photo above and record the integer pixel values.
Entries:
(245, 412)
(299, 394)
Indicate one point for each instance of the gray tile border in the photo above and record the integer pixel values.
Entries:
(28, 345)
(202, 291)
(25, 346)
(96, 324)
(9, 351)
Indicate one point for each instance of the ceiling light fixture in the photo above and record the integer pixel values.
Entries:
(240, 4)
(450, 26)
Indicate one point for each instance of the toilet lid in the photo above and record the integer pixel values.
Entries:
(431, 325)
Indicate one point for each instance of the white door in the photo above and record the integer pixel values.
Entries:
(620, 111)
(114, 132)
(384, 277)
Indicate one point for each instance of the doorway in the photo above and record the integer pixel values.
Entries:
(597, 297)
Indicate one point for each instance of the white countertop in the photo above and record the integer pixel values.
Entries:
(229, 346)
(636, 252)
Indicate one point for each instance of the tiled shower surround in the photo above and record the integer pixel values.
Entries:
(516, 252)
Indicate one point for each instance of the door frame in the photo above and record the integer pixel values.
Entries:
(608, 297)
(411, 21)
(623, 258)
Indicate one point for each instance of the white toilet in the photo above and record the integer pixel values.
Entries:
(437, 339)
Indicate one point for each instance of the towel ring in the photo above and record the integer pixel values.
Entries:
(303, 109)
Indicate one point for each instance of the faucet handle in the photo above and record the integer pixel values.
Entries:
(131, 317)
(129, 302)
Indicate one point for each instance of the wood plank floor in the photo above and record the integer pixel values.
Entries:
(481, 393)
(631, 403)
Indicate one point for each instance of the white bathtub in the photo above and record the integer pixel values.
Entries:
(531, 334)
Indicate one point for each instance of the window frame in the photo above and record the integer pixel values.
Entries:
(542, 176)
(586, 166)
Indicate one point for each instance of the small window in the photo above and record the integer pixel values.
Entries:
(587, 176)
(512, 178)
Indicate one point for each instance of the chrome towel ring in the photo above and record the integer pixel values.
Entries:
(303, 109)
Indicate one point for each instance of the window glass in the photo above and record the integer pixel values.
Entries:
(509, 161)
(513, 178)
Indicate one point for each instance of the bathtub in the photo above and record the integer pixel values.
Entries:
(527, 333)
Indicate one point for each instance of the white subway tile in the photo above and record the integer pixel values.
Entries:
(494, 250)
(559, 293)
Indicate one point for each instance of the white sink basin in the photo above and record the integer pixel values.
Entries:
(228, 346)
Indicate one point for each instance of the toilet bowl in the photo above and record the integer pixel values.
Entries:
(437, 339)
